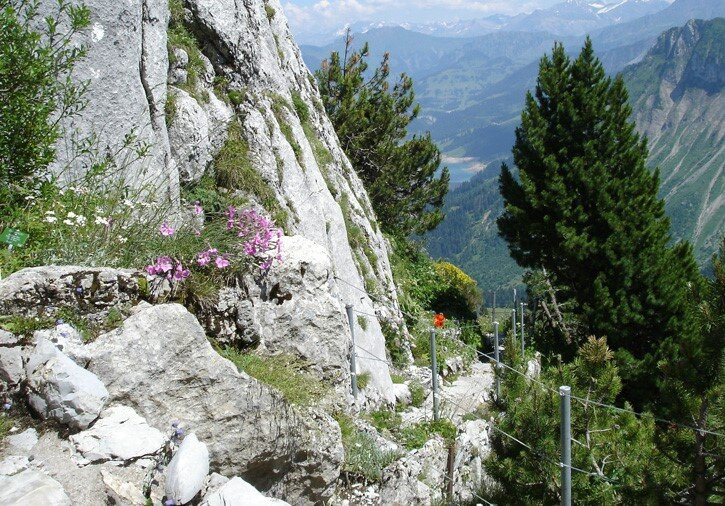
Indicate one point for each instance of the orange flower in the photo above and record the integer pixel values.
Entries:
(439, 320)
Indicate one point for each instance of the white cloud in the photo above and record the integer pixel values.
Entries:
(310, 16)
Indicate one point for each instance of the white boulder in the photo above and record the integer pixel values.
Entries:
(59, 388)
(11, 366)
(119, 435)
(187, 470)
(237, 492)
(31, 488)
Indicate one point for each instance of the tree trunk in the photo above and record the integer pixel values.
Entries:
(699, 464)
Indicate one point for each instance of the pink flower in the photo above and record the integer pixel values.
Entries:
(151, 269)
(203, 258)
(180, 273)
(164, 264)
(166, 230)
(221, 262)
(198, 210)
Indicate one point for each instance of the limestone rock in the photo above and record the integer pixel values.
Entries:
(58, 388)
(120, 491)
(237, 492)
(39, 291)
(31, 488)
(120, 434)
(11, 366)
(417, 478)
(402, 393)
(291, 310)
(126, 69)
(8, 339)
(25, 441)
(161, 364)
(177, 66)
(66, 339)
(13, 464)
(189, 137)
(187, 470)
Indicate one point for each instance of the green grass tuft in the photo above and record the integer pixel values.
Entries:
(234, 171)
(282, 372)
(415, 436)
(362, 456)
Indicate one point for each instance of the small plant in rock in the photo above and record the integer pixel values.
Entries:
(363, 379)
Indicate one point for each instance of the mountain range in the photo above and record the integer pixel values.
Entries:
(570, 17)
(471, 89)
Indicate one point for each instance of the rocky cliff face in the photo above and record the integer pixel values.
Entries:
(186, 80)
(678, 103)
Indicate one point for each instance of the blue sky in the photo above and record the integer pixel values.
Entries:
(314, 16)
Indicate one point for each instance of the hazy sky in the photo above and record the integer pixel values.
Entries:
(314, 16)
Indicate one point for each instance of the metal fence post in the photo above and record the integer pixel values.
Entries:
(353, 368)
(513, 323)
(523, 339)
(565, 400)
(434, 370)
(493, 313)
(495, 356)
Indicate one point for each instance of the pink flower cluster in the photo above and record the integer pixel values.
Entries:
(169, 268)
(204, 258)
(260, 238)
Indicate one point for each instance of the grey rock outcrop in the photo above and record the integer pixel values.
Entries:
(24, 442)
(31, 488)
(292, 309)
(237, 492)
(187, 470)
(161, 364)
(66, 339)
(126, 70)
(245, 47)
(60, 389)
(189, 136)
(40, 291)
(120, 434)
(11, 366)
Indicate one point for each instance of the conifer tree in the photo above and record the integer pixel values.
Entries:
(585, 208)
(371, 120)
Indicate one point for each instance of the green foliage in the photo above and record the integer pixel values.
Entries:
(282, 372)
(415, 436)
(303, 112)
(394, 343)
(425, 287)
(234, 171)
(36, 92)
(417, 394)
(6, 423)
(397, 378)
(608, 443)
(585, 208)
(691, 380)
(385, 420)
(362, 322)
(25, 326)
(237, 97)
(269, 10)
(371, 121)
(363, 379)
(170, 108)
(461, 297)
(362, 455)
